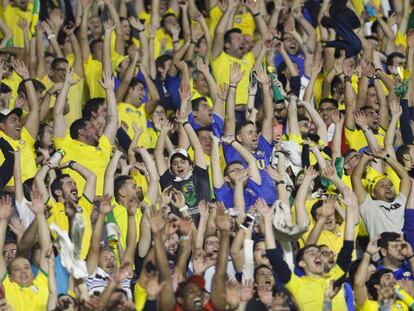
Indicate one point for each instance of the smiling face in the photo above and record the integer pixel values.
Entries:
(311, 261)
(326, 110)
(12, 126)
(91, 133)
(137, 93)
(9, 252)
(95, 26)
(384, 190)
(171, 244)
(306, 127)
(211, 246)
(126, 29)
(107, 261)
(248, 137)
(180, 167)
(21, 272)
(192, 297)
(233, 172)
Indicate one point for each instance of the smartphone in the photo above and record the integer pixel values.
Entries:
(247, 221)
(253, 79)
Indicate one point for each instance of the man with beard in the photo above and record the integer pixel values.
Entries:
(83, 143)
(383, 210)
(397, 255)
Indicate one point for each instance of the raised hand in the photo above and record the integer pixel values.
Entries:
(56, 20)
(23, 24)
(109, 26)
(21, 69)
(265, 295)
(329, 171)
(222, 220)
(203, 209)
(196, 32)
(105, 206)
(396, 109)
(201, 66)
(69, 77)
(178, 199)
(406, 249)
(37, 206)
(232, 294)
(157, 223)
(185, 225)
(262, 207)
(410, 39)
(368, 69)
(346, 67)
(246, 290)
(273, 173)
(107, 82)
(6, 207)
(235, 74)
(153, 286)
(261, 75)
(252, 5)
(86, 4)
(166, 125)
(310, 172)
(136, 23)
(338, 118)
(16, 226)
(200, 262)
(372, 247)
(328, 206)
(185, 93)
(361, 119)
(331, 291)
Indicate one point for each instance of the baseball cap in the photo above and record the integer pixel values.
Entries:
(6, 112)
(179, 152)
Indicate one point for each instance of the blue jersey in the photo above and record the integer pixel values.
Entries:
(404, 272)
(225, 194)
(263, 153)
(298, 59)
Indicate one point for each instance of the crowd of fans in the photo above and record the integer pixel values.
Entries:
(207, 155)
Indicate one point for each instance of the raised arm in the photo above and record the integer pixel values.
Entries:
(153, 93)
(6, 210)
(167, 299)
(218, 285)
(254, 172)
(119, 40)
(111, 126)
(38, 207)
(317, 120)
(90, 186)
(218, 42)
(328, 208)
(59, 121)
(32, 119)
(360, 288)
(396, 112)
(217, 173)
(154, 178)
(230, 118)
(92, 260)
(110, 173)
(127, 77)
(131, 238)
(83, 33)
(78, 63)
(268, 114)
(302, 217)
(293, 116)
(356, 178)
(162, 165)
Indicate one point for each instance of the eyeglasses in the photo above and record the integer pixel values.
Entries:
(12, 252)
(327, 253)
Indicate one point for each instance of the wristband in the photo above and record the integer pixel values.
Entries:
(185, 123)
(184, 238)
(71, 164)
(256, 14)
(410, 257)
(375, 77)
(26, 80)
(387, 156)
(51, 36)
(183, 209)
(280, 182)
(176, 41)
(231, 85)
(369, 253)
(347, 78)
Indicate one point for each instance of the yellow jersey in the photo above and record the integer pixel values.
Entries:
(33, 297)
(356, 140)
(95, 158)
(221, 71)
(28, 155)
(11, 16)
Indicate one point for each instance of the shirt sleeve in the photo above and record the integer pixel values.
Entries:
(105, 145)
